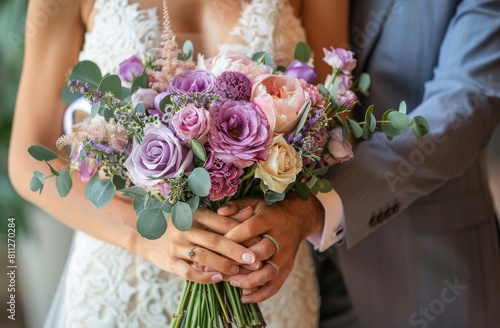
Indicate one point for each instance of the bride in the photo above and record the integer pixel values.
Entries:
(114, 277)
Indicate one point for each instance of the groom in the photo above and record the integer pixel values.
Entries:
(421, 239)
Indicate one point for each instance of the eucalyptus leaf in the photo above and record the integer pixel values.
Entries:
(152, 223)
(188, 49)
(153, 202)
(357, 131)
(398, 120)
(345, 132)
(199, 182)
(134, 191)
(119, 182)
(138, 204)
(63, 183)
(165, 101)
(194, 203)
(42, 153)
(389, 130)
(334, 88)
(302, 191)
(85, 71)
(364, 83)
(111, 84)
(198, 150)
(182, 216)
(101, 192)
(402, 107)
(373, 123)
(140, 108)
(37, 181)
(321, 171)
(420, 126)
(52, 170)
(263, 57)
(141, 81)
(324, 186)
(272, 197)
(302, 52)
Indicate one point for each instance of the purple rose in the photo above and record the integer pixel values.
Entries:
(301, 70)
(225, 178)
(339, 149)
(130, 68)
(156, 104)
(160, 155)
(239, 133)
(191, 122)
(192, 81)
(145, 96)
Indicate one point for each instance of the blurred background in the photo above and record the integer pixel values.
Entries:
(42, 243)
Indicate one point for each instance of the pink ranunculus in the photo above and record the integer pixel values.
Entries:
(338, 147)
(160, 155)
(282, 99)
(225, 62)
(191, 122)
(239, 132)
(225, 177)
(145, 96)
(130, 68)
(86, 168)
(340, 59)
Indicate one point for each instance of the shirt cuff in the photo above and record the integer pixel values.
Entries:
(334, 228)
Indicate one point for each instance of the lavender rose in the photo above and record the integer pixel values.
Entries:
(338, 147)
(191, 122)
(239, 133)
(225, 178)
(192, 81)
(130, 68)
(160, 155)
(301, 70)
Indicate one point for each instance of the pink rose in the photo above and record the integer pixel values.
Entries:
(233, 63)
(145, 96)
(191, 122)
(282, 99)
(339, 149)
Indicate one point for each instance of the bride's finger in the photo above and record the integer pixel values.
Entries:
(216, 248)
(185, 270)
(257, 278)
(204, 257)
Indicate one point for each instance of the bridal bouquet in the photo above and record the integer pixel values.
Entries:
(176, 134)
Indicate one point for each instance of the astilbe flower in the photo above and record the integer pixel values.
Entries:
(233, 85)
(170, 65)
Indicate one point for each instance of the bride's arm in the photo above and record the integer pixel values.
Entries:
(327, 24)
(51, 50)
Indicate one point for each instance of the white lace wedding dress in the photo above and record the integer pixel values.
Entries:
(107, 286)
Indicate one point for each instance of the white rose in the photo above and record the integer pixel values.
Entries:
(281, 166)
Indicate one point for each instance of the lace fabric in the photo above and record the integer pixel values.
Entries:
(108, 286)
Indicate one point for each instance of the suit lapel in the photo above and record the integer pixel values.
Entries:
(368, 18)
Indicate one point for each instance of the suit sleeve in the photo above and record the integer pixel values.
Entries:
(462, 105)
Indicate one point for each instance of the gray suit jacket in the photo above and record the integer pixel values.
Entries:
(422, 246)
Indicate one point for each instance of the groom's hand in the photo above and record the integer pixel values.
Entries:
(289, 222)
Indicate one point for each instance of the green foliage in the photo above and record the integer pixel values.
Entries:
(99, 192)
(63, 183)
(85, 71)
(42, 153)
(141, 81)
(182, 216)
(199, 182)
(152, 223)
(302, 52)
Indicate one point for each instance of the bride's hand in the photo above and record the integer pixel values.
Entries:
(288, 222)
(209, 248)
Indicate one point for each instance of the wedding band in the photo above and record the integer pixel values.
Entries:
(274, 265)
(268, 236)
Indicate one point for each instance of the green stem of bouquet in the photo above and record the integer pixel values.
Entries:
(210, 306)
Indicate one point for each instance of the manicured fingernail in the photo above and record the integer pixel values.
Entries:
(234, 268)
(245, 299)
(244, 209)
(248, 257)
(246, 291)
(217, 277)
(235, 283)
